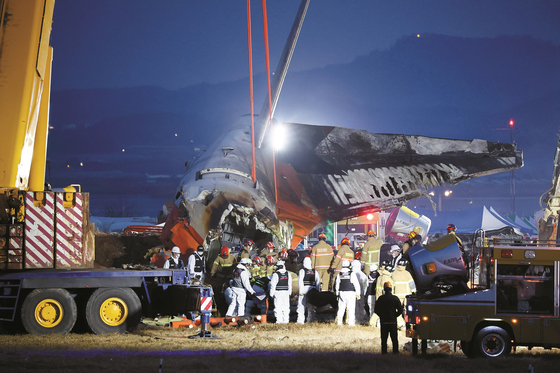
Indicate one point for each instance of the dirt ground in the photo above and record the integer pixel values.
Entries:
(315, 347)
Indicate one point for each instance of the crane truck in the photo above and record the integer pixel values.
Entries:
(513, 294)
(47, 277)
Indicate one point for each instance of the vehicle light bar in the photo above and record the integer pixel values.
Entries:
(507, 253)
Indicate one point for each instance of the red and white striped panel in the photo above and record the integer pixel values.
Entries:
(69, 233)
(205, 304)
(39, 232)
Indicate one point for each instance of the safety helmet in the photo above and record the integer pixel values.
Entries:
(387, 285)
(412, 234)
(373, 267)
(176, 250)
(224, 251)
(402, 262)
(385, 263)
(345, 263)
(283, 254)
(245, 261)
(257, 260)
(280, 265)
(200, 248)
(270, 245)
(249, 243)
(389, 267)
(292, 253)
(395, 248)
(358, 255)
(451, 228)
(371, 233)
(270, 260)
(345, 241)
(322, 236)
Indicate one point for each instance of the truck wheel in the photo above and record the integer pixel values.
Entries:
(113, 310)
(492, 341)
(49, 311)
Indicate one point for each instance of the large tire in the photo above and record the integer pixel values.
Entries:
(492, 341)
(49, 311)
(113, 310)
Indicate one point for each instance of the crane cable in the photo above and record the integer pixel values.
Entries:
(265, 27)
(253, 167)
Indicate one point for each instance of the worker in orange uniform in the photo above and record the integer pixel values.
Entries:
(224, 264)
(321, 258)
(370, 253)
(344, 252)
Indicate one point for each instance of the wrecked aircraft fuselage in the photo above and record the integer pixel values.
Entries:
(324, 173)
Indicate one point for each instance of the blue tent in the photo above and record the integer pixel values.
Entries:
(468, 221)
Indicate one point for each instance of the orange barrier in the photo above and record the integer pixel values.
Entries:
(220, 321)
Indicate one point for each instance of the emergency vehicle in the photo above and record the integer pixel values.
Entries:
(512, 300)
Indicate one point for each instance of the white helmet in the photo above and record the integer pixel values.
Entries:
(373, 267)
(345, 263)
(176, 250)
(245, 261)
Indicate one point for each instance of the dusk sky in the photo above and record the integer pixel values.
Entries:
(175, 44)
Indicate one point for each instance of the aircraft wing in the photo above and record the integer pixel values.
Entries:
(335, 173)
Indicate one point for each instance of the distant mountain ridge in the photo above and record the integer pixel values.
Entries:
(434, 85)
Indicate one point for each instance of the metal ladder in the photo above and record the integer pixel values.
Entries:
(9, 298)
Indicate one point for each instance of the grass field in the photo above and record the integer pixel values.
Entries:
(313, 347)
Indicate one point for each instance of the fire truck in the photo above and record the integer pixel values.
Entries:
(48, 282)
(512, 298)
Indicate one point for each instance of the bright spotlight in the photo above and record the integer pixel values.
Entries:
(279, 136)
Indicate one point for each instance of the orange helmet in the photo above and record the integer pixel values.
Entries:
(322, 236)
(345, 241)
(249, 243)
(257, 260)
(371, 233)
(358, 255)
(451, 228)
(270, 260)
(225, 251)
(270, 245)
(412, 234)
(283, 255)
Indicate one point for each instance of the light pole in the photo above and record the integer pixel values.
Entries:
(512, 179)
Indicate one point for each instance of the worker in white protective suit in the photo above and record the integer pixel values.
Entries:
(196, 264)
(174, 262)
(347, 288)
(308, 278)
(240, 285)
(280, 291)
(372, 285)
(361, 316)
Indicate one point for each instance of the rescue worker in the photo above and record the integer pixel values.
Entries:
(240, 285)
(270, 266)
(370, 253)
(269, 250)
(361, 316)
(291, 263)
(403, 286)
(451, 229)
(396, 255)
(280, 291)
(283, 255)
(372, 284)
(197, 264)
(347, 289)
(245, 252)
(388, 307)
(321, 258)
(343, 253)
(258, 269)
(174, 262)
(384, 276)
(309, 278)
(260, 286)
(224, 264)
(408, 243)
